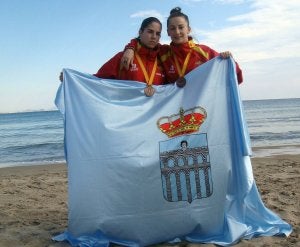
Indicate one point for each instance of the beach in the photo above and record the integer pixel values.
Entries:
(33, 202)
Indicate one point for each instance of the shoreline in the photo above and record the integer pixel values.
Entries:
(257, 152)
(267, 151)
(33, 201)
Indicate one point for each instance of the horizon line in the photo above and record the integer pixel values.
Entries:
(54, 109)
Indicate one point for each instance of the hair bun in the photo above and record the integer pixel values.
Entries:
(175, 10)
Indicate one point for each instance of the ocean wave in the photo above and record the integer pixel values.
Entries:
(290, 135)
(34, 146)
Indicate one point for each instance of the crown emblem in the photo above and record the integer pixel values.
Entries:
(185, 122)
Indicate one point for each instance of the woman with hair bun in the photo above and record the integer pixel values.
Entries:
(183, 54)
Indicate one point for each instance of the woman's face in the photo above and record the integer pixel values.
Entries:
(150, 35)
(178, 30)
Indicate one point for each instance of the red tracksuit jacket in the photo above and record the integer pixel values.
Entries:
(111, 69)
(199, 55)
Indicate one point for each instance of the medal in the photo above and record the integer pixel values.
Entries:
(181, 82)
(149, 91)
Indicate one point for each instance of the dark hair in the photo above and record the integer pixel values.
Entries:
(146, 22)
(184, 141)
(176, 12)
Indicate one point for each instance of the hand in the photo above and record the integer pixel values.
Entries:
(61, 76)
(127, 59)
(225, 54)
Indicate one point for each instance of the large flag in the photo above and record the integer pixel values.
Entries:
(171, 167)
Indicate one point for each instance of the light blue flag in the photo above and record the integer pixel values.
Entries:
(171, 167)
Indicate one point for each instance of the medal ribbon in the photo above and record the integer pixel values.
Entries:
(148, 80)
(181, 72)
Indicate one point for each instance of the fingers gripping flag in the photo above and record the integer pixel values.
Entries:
(174, 166)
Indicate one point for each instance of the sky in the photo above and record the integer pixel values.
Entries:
(38, 38)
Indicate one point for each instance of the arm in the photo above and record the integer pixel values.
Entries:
(127, 58)
(128, 55)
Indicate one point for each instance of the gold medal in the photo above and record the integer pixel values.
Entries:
(149, 91)
(181, 82)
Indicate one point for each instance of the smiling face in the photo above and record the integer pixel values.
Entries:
(150, 35)
(178, 30)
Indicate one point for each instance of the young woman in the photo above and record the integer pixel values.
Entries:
(183, 54)
(146, 67)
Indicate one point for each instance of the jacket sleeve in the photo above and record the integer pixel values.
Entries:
(132, 44)
(239, 73)
(111, 69)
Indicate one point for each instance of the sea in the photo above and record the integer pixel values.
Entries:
(35, 138)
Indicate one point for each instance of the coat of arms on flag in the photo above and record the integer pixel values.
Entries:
(184, 159)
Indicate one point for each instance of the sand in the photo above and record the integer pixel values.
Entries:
(33, 202)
